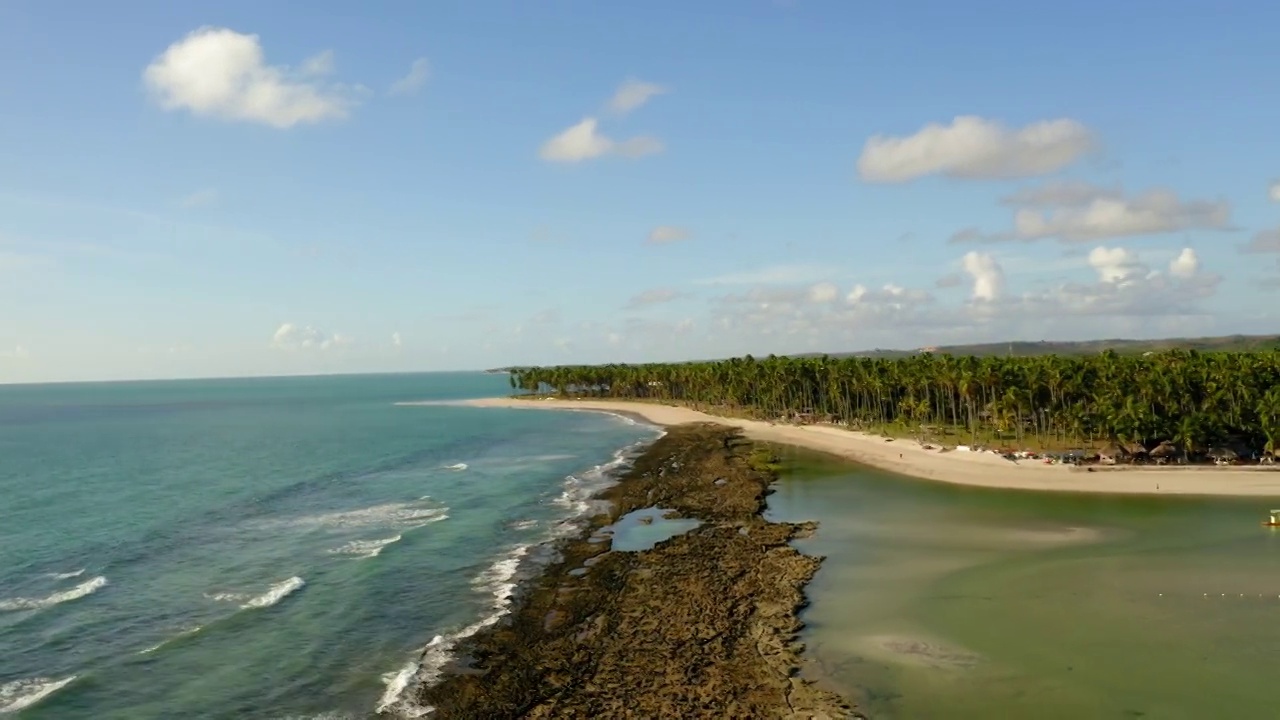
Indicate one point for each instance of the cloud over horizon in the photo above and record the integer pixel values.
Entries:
(975, 148)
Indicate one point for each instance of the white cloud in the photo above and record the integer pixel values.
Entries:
(584, 141)
(1273, 192)
(16, 353)
(1116, 265)
(200, 198)
(824, 292)
(988, 276)
(222, 73)
(891, 296)
(305, 337)
(666, 234)
(396, 339)
(1079, 212)
(1186, 265)
(632, 94)
(976, 148)
(419, 71)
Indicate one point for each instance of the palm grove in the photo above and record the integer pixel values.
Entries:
(1192, 400)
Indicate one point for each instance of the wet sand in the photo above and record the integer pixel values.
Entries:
(703, 625)
(980, 469)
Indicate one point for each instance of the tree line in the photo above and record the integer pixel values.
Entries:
(1191, 399)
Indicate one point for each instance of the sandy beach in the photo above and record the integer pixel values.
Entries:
(979, 469)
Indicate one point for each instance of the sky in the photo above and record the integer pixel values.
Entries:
(266, 188)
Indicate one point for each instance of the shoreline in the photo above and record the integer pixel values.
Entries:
(702, 624)
(909, 458)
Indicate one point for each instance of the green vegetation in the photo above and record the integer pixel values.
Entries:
(1186, 399)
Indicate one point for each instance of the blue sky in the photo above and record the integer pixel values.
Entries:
(287, 187)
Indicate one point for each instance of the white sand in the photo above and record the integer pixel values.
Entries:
(963, 468)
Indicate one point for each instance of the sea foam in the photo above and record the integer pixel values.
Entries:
(499, 581)
(20, 694)
(88, 587)
(364, 548)
(278, 592)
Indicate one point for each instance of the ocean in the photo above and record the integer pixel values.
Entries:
(274, 547)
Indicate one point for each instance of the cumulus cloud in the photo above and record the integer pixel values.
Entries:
(656, 296)
(222, 73)
(1116, 265)
(395, 339)
(1079, 212)
(305, 337)
(419, 71)
(975, 148)
(1273, 192)
(1186, 265)
(987, 275)
(584, 141)
(17, 352)
(633, 94)
(667, 234)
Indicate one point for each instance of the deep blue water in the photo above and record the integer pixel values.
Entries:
(266, 548)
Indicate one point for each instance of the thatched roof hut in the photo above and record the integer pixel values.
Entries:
(1113, 453)
(1165, 451)
(1223, 455)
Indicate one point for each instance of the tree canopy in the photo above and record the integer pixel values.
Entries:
(1185, 397)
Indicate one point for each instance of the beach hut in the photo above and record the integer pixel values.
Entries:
(1112, 454)
(1223, 456)
(1164, 452)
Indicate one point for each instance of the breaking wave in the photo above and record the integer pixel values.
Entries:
(21, 694)
(66, 575)
(499, 581)
(456, 466)
(406, 515)
(87, 587)
(273, 595)
(278, 592)
(364, 548)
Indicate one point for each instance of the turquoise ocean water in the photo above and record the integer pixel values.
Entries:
(270, 548)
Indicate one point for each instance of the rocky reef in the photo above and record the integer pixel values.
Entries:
(702, 625)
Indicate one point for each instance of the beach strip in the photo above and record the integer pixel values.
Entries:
(701, 625)
(907, 457)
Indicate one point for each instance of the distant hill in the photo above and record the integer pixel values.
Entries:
(1226, 343)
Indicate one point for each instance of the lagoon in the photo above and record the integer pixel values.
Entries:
(945, 601)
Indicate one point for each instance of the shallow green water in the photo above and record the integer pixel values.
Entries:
(938, 601)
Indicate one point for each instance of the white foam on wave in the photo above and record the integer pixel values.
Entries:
(498, 580)
(278, 592)
(66, 575)
(406, 514)
(21, 694)
(88, 587)
(364, 548)
(456, 466)
(524, 524)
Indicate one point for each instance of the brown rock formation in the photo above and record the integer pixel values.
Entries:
(702, 625)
